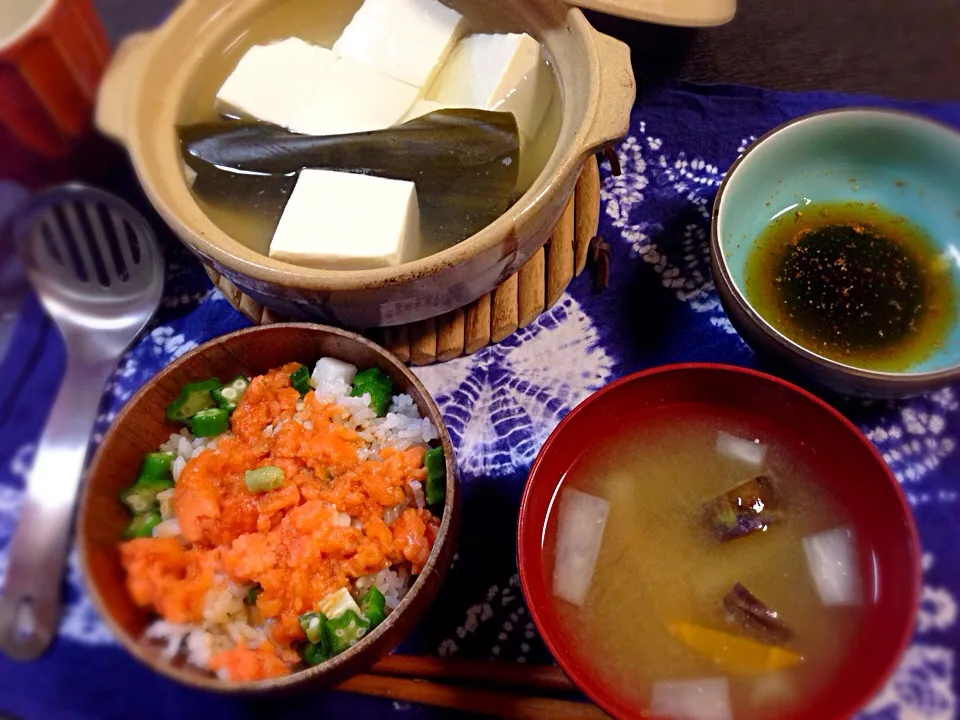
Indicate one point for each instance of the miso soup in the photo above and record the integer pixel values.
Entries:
(727, 585)
(248, 205)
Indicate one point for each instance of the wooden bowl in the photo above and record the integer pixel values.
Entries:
(142, 427)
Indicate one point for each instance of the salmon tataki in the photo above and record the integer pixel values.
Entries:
(285, 521)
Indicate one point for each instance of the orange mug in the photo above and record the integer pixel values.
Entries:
(52, 56)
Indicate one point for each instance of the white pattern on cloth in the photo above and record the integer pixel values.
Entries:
(501, 403)
(652, 170)
(920, 689)
(914, 439)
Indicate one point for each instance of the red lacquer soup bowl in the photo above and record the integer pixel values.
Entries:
(844, 463)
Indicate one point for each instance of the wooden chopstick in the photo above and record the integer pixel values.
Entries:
(542, 677)
(453, 697)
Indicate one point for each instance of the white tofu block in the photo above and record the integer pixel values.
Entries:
(407, 39)
(274, 82)
(504, 72)
(344, 221)
(423, 107)
(351, 98)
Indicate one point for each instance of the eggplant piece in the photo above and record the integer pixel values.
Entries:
(464, 163)
(750, 507)
(747, 612)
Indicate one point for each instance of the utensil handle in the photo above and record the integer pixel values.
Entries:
(119, 81)
(683, 13)
(31, 599)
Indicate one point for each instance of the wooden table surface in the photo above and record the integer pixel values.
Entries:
(908, 49)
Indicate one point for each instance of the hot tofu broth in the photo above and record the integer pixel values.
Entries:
(248, 208)
(656, 595)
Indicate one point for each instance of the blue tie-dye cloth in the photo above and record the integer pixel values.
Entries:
(500, 405)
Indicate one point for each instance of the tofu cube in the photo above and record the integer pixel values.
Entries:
(351, 98)
(407, 39)
(274, 82)
(504, 72)
(345, 221)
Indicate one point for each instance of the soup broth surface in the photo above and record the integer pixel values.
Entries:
(658, 565)
(252, 221)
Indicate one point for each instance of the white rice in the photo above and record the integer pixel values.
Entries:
(168, 528)
(178, 465)
(417, 487)
(393, 512)
(393, 584)
(401, 428)
(186, 447)
(227, 619)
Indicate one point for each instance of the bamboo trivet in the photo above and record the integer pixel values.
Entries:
(514, 304)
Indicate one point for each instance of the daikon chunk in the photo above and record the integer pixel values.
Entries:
(702, 699)
(832, 559)
(580, 523)
(750, 452)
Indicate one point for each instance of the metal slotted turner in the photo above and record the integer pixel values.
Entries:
(96, 267)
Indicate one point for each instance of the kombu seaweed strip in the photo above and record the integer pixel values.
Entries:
(464, 163)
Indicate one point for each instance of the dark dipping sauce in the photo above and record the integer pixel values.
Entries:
(853, 283)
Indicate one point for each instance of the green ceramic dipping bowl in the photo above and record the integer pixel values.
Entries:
(906, 164)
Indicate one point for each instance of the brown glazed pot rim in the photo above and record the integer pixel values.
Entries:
(301, 679)
(904, 383)
(214, 244)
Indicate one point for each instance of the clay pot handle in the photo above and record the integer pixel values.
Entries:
(684, 13)
(122, 75)
(618, 91)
